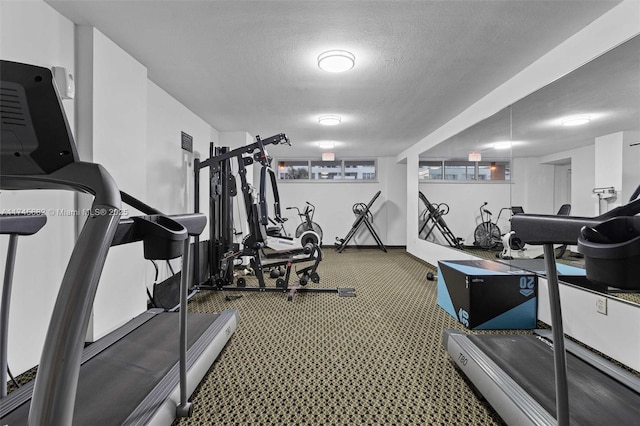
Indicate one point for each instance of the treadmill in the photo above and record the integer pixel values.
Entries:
(540, 379)
(144, 372)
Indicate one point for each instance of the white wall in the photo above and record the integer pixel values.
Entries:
(616, 334)
(170, 168)
(630, 164)
(533, 185)
(113, 125)
(583, 202)
(395, 183)
(608, 168)
(334, 201)
(236, 140)
(615, 159)
(41, 258)
(136, 135)
(562, 185)
(582, 182)
(617, 156)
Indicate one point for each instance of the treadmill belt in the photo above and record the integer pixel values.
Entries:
(114, 382)
(594, 397)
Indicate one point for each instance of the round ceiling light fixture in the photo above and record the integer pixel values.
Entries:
(577, 120)
(327, 144)
(329, 120)
(502, 145)
(336, 61)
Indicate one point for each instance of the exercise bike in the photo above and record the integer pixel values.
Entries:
(308, 231)
(487, 234)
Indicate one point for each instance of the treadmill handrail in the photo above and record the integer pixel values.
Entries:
(57, 380)
(21, 224)
(129, 232)
(536, 229)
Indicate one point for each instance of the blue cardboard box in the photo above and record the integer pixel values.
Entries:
(486, 295)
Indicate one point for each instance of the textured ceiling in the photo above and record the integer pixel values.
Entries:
(606, 89)
(251, 65)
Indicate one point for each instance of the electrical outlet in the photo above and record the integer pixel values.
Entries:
(601, 305)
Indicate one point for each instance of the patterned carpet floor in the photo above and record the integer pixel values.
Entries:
(323, 359)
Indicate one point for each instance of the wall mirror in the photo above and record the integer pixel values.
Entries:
(464, 186)
(575, 142)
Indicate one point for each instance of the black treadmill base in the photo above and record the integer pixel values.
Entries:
(114, 382)
(594, 397)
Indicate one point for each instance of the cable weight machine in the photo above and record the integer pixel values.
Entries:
(222, 250)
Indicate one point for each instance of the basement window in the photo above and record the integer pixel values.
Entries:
(328, 171)
(464, 171)
(293, 170)
(360, 170)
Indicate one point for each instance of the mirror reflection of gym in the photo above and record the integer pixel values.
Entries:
(592, 114)
(591, 167)
(464, 186)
